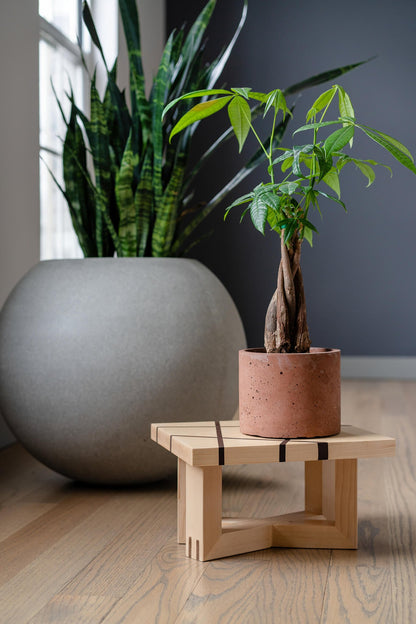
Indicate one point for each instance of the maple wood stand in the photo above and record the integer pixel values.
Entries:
(329, 519)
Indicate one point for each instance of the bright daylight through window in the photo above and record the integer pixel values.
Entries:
(60, 66)
(61, 33)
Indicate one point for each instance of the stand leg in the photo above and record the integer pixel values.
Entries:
(181, 520)
(331, 495)
(203, 510)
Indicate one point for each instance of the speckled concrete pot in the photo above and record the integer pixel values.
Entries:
(92, 351)
(290, 395)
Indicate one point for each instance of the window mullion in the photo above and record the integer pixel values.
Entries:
(54, 35)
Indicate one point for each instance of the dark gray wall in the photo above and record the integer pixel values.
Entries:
(359, 277)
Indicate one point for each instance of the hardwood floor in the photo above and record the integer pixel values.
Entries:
(75, 554)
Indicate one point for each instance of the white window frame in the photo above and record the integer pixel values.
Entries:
(108, 32)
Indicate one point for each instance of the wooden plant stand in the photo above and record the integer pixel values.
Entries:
(330, 516)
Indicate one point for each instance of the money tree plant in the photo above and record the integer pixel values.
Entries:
(308, 174)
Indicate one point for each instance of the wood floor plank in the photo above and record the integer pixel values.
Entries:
(286, 586)
(25, 546)
(161, 589)
(59, 561)
(401, 507)
(15, 517)
(363, 585)
(78, 555)
(147, 524)
(74, 610)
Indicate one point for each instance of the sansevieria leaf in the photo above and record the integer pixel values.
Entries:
(127, 229)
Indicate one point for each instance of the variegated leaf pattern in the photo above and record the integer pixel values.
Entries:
(127, 229)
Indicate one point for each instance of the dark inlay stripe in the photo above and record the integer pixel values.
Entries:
(282, 450)
(220, 443)
(322, 450)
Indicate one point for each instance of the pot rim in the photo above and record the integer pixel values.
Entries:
(315, 351)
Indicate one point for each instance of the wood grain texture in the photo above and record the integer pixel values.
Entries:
(79, 555)
(204, 443)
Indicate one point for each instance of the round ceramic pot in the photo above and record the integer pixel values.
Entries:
(290, 395)
(93, 351)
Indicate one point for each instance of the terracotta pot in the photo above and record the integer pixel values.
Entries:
(290, 395)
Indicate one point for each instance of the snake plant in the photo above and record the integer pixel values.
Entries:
(136, 199)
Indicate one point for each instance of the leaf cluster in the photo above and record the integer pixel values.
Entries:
(133, 199)
(128, 189)
(285, 205)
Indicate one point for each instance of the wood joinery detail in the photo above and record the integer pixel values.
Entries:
(328, 521)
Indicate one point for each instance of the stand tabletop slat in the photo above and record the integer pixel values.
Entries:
(214, 443)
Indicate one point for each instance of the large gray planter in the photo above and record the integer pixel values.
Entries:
(92, 351)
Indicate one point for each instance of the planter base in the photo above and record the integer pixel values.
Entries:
(290, 395)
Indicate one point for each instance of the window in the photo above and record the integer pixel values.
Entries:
(61, 33)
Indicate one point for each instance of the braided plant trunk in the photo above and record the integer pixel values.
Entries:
(286, 329)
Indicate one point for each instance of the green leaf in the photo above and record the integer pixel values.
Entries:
(332, 180)
(272, 200)
(258, 213)
(139, 103)
(396, 149)
(196, 33)
(390, 139)
(89, 23)
(260, 97)
(345, 107)
(297, 153)
(194, 94)
(127, 229)
(317, 125)
(367, 171)
(240, 118)
(257, 159)
(321, 102)
(239, 201)
(243, 91)
(166, 213)
(277, 99)
(159, 89)
(198, 112)
(332, 198)
(144, 204)
(338, 139)
(308, 235)
(324, 161)
(286, 154)
(321, 78)
(97, 132)
(286, 164)
(218, 65)
(288, 188)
